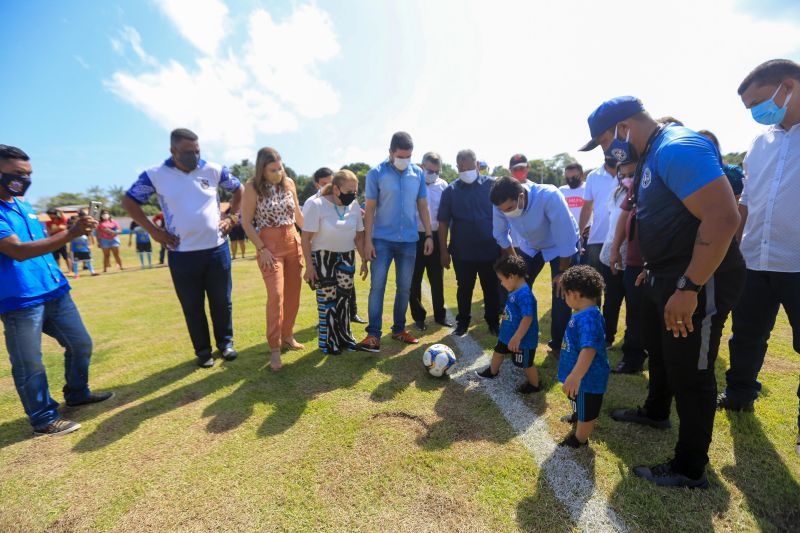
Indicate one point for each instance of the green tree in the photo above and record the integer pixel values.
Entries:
(734, 158)
(501, 171)
(448, 173)
(62, 199)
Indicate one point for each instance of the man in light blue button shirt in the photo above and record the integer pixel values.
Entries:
(540, 215)
(395, 194)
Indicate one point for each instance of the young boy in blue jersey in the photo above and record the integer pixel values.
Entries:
(80, 249)
(143, 245)
(519, 329)
(583, 366)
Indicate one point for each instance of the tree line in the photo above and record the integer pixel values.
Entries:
(539, 170)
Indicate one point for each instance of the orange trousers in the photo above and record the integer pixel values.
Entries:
(283, 282)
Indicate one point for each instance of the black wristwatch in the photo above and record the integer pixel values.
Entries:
(429, 237)
(685, 284)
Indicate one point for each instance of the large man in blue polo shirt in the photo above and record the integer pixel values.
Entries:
(35, 299)
(686, 217)
(539, 214)
(395, 194)
(466, 210)
(195, 234)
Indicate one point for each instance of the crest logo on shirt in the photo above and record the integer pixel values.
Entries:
(647, 177)
(204, 183)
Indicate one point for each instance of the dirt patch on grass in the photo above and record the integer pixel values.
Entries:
(779, 365)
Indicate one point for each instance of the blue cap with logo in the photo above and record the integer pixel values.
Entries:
(608, 114)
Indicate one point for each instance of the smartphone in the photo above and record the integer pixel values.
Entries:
(94, 210)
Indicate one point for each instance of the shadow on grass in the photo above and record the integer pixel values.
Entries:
(250, 370)
(772, 494)
(529, 515)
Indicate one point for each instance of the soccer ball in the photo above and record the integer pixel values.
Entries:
(438, 359)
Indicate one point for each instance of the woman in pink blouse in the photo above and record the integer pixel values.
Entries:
(108, 232)
(270, 210)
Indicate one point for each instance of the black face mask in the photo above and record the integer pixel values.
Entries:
(347, 197)
(189, 160)
(574, 183)
(15, 184)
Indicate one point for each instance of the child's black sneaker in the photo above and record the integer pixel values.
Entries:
(486, 373)
(572, 441)
(527, 388)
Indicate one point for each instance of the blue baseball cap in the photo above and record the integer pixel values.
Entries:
(608, 115)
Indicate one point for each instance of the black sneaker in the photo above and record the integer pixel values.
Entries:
(420, 325)
(626, 368)
(570, 419)
(62, 426)
(664, 476)
(444, 322)
(357, 319)
(460, 330)
(205, 362)
(572, 441)
(527, 388)
(639, 416)
(486, 373)
(726, 402)
(229, 354)
(92, 398)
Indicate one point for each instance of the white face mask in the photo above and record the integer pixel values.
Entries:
(431, 177)
(468, 176)
(514, 213)
(401, 163)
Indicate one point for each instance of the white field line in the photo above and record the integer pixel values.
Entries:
(569, 481)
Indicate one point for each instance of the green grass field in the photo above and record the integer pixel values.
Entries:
(355, 442)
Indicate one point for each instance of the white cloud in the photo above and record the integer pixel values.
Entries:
(129, 37)
(202, 22)
(231, 99)
(82, 62)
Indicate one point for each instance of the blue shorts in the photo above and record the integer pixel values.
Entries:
(587, 406)
(108, 243)
(522, 359)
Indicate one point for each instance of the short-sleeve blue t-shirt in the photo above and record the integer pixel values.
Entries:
(142, 237)
(80, 244)
(520, 303)
(679, 163)
(586, 329)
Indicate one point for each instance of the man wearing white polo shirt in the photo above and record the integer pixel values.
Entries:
(195, 234)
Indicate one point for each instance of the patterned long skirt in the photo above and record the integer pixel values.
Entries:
(336, 274)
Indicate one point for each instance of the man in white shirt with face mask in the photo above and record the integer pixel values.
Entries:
(431, 165)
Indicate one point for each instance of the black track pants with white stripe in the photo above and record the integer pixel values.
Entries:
(683, 368)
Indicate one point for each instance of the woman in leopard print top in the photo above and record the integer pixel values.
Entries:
(270, 210)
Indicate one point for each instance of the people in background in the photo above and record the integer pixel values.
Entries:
(143, 246)
(333, 230)
(237, 237)
(35, 299)
(271, 209)
(158, 221)
(194, 233)
(80, 249)
(108, 232)
(573, 191)
(432, 264)
(734, 173)
(56, 224)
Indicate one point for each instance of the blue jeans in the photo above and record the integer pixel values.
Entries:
(195, 275)
(753, 319)
(404, 256)
(59, 319)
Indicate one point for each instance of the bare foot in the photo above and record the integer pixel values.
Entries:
(290, 344)
(275, 361)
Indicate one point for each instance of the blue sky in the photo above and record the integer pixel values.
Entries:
(92, 88)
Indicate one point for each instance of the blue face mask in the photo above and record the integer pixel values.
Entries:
(768, 112)
(620, 150)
